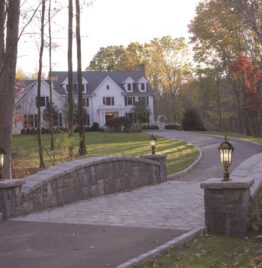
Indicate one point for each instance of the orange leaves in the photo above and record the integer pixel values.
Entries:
(250, 74)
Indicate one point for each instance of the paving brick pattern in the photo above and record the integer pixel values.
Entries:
(170, 205)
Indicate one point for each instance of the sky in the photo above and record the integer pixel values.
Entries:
(105, 23)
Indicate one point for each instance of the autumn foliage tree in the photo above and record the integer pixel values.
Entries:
(246, 77)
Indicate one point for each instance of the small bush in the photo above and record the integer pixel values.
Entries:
(173, 126)
(192, 121)
(23, 131)
(145, 127)
(95, 127)
(119, 123)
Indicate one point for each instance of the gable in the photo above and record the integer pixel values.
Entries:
(108, 86)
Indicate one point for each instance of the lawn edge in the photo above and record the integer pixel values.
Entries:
(183, 172)
(220, 136)
(176, 242)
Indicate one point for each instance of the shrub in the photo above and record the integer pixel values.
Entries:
(192, 121)
(95, 127)
(119, 123)
(149, 127)
(23, 131)
(173, 126)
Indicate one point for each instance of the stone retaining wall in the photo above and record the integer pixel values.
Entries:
(79, 180)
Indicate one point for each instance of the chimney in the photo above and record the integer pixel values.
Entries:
(141, 67)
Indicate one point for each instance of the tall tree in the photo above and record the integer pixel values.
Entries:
(107, 59)
(9, 22)
(82, 144)
(39, 83)
(51, 122)
(70, 78)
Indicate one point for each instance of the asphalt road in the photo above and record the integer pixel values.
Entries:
(53, 245)
(210, 166)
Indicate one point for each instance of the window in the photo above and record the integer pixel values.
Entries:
(107, 86)
(44, 101)
(131, 116)
(75, 88)
(144, 99)
(108, 101)
(129, 101)
(129, 87)
(143, 88)
(30, 121)
(87, 120)
(86, 102)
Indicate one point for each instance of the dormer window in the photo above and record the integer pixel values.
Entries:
(142, 84)
(128, 84)
(64, 84)
(75, 88)
(129, 87)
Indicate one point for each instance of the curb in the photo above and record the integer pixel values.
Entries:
(186, 170)
(178, 241)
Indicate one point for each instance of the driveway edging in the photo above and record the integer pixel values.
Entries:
(176, 242)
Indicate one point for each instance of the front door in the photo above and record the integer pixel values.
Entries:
(110, 115)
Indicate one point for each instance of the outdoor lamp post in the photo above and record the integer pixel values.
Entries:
(2, 160)
(153, 143)
(226, 150)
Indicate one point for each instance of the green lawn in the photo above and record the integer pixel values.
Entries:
(210, 251)
(232, 135)
(25, 150)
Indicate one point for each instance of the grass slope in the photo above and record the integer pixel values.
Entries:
(25, 150)
(210, 251)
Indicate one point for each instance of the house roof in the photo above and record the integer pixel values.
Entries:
(23, 87)
(94, 78)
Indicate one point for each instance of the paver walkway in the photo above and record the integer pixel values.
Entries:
(171, 205)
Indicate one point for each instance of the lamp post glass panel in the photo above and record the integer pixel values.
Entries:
(2, 160)
(226, 150)
(153, 143)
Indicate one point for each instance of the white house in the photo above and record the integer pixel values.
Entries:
(106, 95)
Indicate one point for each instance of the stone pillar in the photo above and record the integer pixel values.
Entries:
(227, 206)
(160, 158)
(10, 193)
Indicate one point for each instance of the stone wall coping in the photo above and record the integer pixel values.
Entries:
(33, 181)
(236, 183)
(154, 156)
(11, 183)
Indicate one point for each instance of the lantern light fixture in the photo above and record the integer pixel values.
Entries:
(153, 140)
(226, 150)
(2, 159)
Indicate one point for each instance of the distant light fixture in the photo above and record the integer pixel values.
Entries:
(2, 160)
(226, 150)
(153, 140)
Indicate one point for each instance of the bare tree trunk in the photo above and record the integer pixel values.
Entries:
(39, 138)
(7, 80)
(82, 144)
(70, 77)
(51, 122)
